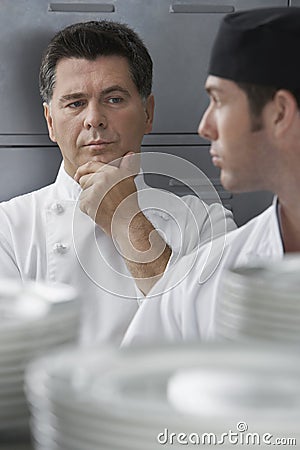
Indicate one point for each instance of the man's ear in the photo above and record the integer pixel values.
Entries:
(48, 117)
(149, 110)
(285, 110)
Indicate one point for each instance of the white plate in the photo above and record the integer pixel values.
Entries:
(127, 389)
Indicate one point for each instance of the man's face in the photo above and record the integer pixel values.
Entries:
(243, 155)
(96, 112)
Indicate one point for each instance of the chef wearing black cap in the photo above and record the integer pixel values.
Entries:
(253, 123)
(253, 82)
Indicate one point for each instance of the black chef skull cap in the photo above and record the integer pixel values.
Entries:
(259, 46)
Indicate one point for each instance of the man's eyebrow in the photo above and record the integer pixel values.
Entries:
(115, 88)
(80, 95)
(212, 89)
(72, 96)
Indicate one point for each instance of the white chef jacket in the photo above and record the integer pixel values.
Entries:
(44, 236)
(181, 306)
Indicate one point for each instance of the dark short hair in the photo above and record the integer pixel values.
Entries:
(90, 40)
(258, 96)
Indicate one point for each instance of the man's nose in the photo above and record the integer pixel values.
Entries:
(207, 128)
(95, 117)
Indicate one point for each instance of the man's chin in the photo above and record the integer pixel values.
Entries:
(112, 162)
(101, 159)
(231, 185)
(227, 181)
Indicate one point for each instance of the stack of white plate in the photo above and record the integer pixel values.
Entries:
(106, 399)
(261, 302)
(34, 318)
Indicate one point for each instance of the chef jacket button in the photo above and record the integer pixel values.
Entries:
(60, 248)
(57, 208)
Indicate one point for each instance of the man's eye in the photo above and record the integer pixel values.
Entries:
(115, 100)
(214, 101)
(76, 104)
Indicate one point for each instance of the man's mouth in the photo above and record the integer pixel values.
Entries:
(98, 143)
(216, 159)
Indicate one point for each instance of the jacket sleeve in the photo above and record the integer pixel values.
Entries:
(182, 304)
(176, 309)
(9, 236)
(204, 223)
(8, 265)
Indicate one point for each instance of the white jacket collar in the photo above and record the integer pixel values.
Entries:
(69, 189)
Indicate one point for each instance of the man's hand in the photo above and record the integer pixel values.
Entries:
(110, 198)
(105, 187)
